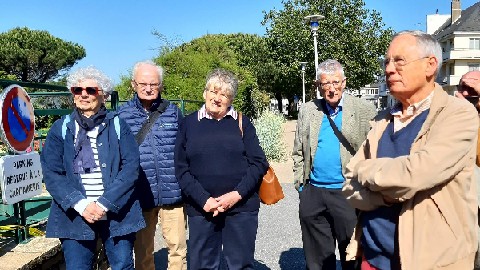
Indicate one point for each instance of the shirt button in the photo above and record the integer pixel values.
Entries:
(104, 165)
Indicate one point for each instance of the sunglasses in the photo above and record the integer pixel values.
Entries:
(91, 90)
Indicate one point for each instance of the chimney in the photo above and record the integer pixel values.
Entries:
(456, 10)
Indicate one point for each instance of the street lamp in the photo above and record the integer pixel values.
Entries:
(302, 65)
(312, 21)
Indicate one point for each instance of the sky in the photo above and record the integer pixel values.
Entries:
(117, 34)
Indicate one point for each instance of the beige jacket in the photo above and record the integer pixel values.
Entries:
(355, 125)
(438, 221)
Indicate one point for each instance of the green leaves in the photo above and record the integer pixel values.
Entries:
(269, 127)
(349, 33)
(36, 56)
(186, 67)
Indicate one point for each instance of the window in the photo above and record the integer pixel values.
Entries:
(475, 44)
(472, 67)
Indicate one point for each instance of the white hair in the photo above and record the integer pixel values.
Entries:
(90, 73)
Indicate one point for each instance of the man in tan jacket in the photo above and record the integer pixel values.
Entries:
(413, 176)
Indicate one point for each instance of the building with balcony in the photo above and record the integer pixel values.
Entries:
(459, 36)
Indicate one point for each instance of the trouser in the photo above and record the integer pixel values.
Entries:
(366, 265)
(81, 254)
(234, 233)
(173, 223)
(325, 217)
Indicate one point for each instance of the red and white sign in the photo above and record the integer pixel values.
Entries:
(17, 121)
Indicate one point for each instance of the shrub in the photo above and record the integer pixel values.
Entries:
(269, 132)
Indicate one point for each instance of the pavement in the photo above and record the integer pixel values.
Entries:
(283, 169)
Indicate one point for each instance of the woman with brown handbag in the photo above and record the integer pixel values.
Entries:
(219, 172)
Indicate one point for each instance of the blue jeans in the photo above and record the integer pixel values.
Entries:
(80, 254)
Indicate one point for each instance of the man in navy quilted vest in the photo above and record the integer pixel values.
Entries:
(154, 121)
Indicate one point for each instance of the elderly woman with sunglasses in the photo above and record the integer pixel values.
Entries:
(219, 168)
(90, 164)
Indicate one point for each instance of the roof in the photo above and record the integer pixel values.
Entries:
(469, 21)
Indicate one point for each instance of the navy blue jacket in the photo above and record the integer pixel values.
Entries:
(212, 158)
(118, 158)
(157, 184)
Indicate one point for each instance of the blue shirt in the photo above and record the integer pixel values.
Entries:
(327, 165)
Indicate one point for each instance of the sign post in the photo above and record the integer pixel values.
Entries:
(20, 174)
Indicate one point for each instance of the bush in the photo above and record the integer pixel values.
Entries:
(269, 132)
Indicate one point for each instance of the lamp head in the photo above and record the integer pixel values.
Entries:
(313, 21)
(303, 65)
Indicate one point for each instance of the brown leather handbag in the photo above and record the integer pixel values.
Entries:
(270, 191)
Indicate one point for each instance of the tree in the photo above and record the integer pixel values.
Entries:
(349, 33)
(4, 75)
(36, 56)
(187, 65)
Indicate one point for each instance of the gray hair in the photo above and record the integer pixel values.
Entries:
(224, 79)
(148, 63)
(329, 67)
(90, 73)
(426, 43)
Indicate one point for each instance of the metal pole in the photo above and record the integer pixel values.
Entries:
(316, 59)
(21, 219)
(303, 85)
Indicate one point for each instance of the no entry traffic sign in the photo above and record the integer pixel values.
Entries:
(17, 121)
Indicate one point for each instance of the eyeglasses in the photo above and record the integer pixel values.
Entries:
(326, 85)
(221, 93)
(144, 85)
(91, 90)
(399, 62)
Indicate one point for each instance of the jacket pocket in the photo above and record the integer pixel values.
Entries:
(445, 233)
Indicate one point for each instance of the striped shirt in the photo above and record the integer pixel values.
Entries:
(400, 120)
(92, 180)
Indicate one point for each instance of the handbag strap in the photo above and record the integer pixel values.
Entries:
(240, 123)
(147, 125)
(337, 132)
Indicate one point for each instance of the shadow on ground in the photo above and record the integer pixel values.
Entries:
(161, 261)
(292, 259)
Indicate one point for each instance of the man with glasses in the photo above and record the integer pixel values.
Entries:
(320, 157)
(412, 179)
(154, 121)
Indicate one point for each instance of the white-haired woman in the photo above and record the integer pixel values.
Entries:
(90, 165)
(219, 168)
